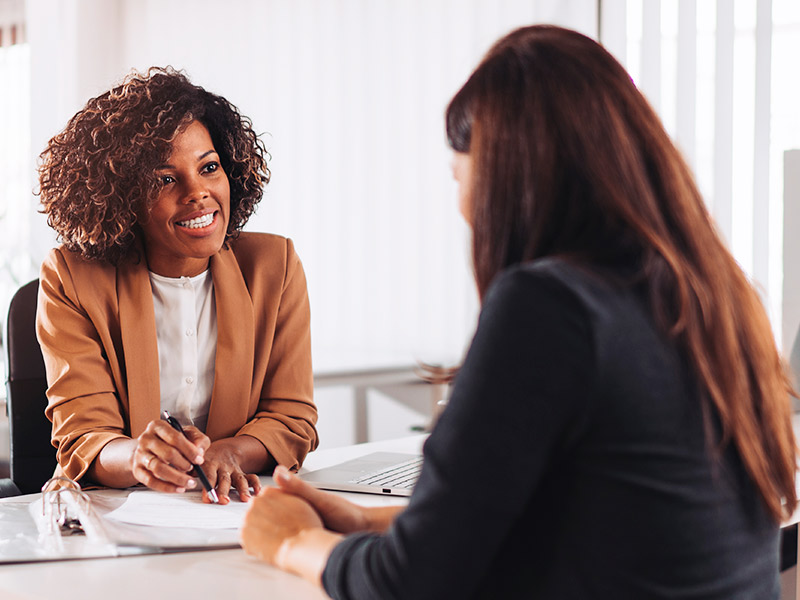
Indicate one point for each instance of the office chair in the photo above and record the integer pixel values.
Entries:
(33, 458)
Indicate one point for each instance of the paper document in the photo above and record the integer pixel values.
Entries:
(159, 509)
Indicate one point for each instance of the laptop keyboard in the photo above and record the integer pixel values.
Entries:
(401, 475)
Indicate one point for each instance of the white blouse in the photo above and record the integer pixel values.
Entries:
(186, 330)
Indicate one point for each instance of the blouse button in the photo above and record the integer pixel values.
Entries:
(190, 379)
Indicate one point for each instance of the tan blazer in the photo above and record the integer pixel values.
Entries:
(96, 327)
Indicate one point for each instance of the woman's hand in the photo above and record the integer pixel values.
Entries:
(337, 514)
(163, 456)
(284, 526)
(285, 531)
(225, 466)
(273, 518)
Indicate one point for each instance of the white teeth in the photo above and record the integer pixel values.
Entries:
(198, 222)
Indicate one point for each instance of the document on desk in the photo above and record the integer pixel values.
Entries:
(158, 509)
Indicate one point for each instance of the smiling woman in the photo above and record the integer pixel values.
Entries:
(156, 301)
(187, 223)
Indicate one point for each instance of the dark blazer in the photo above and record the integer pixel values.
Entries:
(96, 327)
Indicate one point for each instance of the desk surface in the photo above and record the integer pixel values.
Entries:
(203, 574)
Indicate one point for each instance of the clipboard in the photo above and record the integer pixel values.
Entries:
(67, 523)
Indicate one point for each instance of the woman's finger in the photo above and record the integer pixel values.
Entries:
(159, 463)
(273, 517)
(198, 438)
(169, 476)
(224, 486)
(294, 485)
(255, 482)
(338, 514)
(242, 485)
(153, 472)
(171, 446)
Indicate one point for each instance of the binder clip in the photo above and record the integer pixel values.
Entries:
(60, 497)
(66, 510)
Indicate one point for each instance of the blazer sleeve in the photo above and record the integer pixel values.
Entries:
(83, 402)
(286, 415)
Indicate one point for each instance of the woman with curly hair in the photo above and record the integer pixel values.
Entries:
(156, 300)
(622, 403)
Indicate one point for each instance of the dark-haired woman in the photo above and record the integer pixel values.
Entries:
(156, 301)
(620, 427)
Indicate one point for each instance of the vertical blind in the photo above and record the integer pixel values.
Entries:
(707, 66)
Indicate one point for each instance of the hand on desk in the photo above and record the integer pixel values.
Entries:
(285, 530)
(338, 514)
(163, 459)
(286, 527)
(273, 519)
(224, 469)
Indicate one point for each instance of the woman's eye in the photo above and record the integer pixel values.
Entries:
(167, 179)
(211, 167)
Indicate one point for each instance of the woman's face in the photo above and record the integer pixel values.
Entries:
(188, 221)
(462, 173)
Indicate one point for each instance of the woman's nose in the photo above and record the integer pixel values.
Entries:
(195, 189)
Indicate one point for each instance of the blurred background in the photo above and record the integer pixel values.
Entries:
(349, 96)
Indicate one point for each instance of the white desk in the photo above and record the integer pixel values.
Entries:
(203, 574)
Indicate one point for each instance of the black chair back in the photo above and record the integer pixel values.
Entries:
(33, 458)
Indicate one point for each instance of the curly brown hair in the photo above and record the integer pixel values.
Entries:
(98, 176)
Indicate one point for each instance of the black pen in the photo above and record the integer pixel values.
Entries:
(212, 493)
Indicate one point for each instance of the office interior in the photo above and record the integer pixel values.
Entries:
(349, 96)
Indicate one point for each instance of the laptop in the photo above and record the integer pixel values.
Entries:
(387, 473)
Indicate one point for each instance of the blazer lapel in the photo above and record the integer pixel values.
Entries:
(138, 324)
(235, 348)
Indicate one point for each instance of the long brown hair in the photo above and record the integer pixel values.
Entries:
(570, 159)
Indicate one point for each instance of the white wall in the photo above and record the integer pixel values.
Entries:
(350, 95)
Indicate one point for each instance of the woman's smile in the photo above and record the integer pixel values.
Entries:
(205, 223)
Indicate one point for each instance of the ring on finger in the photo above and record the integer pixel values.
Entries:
(150, 462)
